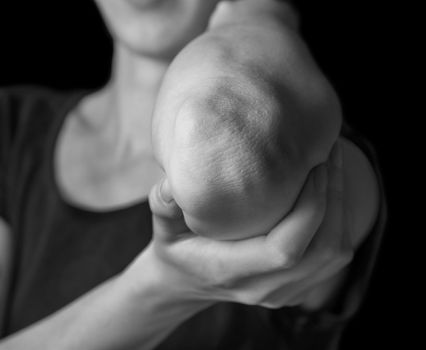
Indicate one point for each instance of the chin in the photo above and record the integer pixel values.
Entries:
(160, 30)
(160, 42)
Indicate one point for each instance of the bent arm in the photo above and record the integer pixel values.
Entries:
(243, 114)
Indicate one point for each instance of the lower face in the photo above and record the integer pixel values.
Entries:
(158, 28)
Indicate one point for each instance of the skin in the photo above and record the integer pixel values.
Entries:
(299, 261)
(227, 124)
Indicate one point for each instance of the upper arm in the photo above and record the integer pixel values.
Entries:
(362, 192)
(5, 257)
(361, 201)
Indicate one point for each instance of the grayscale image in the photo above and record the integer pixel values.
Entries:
(195, 175)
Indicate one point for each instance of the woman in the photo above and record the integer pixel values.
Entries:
(74, 185)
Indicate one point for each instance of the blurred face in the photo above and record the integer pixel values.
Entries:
(158, 28)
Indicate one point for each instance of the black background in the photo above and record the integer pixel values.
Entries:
(64, 44)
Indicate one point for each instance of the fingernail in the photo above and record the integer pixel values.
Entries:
(320, 178)
(336, 155)
(165, 191)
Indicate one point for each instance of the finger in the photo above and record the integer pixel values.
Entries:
(161, 200)
(278, 249)
(321, 283)
(289, 292)
(325, 250)
(168, 221)
(325, 245)
(230, 262)
(308, 271)
(287, 241)
(293, 234)
(272, 286)
(328, 250)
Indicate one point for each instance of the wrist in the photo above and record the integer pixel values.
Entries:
(152, 300)
(149, 278)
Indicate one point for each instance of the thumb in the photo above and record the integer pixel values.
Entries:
(167, 219)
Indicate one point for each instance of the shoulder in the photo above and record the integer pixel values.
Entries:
(28, 110)
(27, 115)
(17, 101)
(19, 94)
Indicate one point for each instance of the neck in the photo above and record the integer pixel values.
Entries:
(126, 104)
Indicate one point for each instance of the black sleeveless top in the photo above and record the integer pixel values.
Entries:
(62, 251)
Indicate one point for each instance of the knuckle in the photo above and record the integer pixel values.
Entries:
(271, 305)
(252, 298)
(284, 259)
(249, 300)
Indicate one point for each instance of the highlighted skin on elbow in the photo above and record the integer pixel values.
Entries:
(228, 171)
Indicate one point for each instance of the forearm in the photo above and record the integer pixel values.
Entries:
(112, 316)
